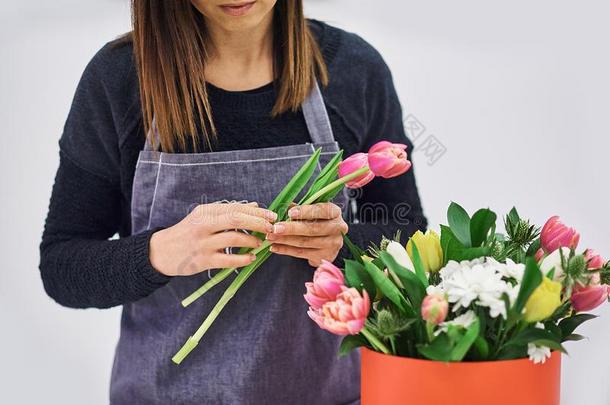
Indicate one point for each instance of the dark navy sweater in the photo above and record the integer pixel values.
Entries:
(82, 267)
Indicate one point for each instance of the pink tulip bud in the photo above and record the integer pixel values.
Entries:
(586, 298)
(434, 309)
(345, 315)
(554, 235)
(539, 255)
(327, 283)
(388, 159)
(351, 164)
(594, 261)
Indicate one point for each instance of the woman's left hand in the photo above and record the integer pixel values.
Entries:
(314, 232)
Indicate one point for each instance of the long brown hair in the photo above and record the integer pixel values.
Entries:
(170, 42)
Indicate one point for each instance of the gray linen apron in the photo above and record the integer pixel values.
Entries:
(263, 348)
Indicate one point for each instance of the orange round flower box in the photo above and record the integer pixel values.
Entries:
(391, 380)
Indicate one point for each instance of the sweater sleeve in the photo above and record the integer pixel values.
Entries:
(383, 206)
(80, 267)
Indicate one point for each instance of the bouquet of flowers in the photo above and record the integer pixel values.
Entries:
(384, 159)
(471, 294)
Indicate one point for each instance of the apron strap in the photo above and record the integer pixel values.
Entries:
(314, 111)
(316, 117)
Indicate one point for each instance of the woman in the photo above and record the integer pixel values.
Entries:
(230, 95)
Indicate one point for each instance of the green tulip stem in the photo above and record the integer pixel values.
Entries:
(224, 273)
(229, 293)
(218, 277)
(335, 184)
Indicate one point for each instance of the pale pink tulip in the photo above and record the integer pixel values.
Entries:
(345, 315)
(350, 165)
(388, 159)
(594, 261)
(588, 297)
(539, 255)
(554, 235)
(327, 283)
(434, 309)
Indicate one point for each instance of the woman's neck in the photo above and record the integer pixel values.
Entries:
(241, 60)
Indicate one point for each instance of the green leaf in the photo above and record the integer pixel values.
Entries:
(531, 335)
(412, 284)
(330, 194)
(387, 288)
(326, 176)
(554, 329)
(350, 342)
(462, 346)
(569, 325)
(439, 350)
(512, 352)
(551, 344)
(482, 222)
(531, 280)
(471, 253)
(482, 347)
(420, 272)
(283, 200)
(354, 250)
(459, 222)
(533, 248)
(574, 337)
(452, 247)
(356, 276)
(513, 215)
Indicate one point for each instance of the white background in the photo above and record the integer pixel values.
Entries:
(517, 92)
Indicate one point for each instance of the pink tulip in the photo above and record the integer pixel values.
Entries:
(594, 261)
(345, 315)
(555, 235)
(388, 159)
(586, 298)
(327, 283)
(434, 309)
(539, 255)
(351, 164)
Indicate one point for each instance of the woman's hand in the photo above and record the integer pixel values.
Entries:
(315, 233)
(198, 242)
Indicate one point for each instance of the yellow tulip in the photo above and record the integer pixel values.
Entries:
(544, 301)
(429, 248)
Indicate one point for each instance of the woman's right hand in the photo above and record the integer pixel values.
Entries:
(198, 242)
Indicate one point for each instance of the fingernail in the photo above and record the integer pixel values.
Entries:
(279, 228)
(293, 212)
(270, 215)
(270, 236)
(269, 228)
(272, 249)
(252, 257)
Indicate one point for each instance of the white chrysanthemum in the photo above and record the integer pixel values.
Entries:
(509, 269)
(464, 321)
(478, 283)
(435, 290)
(538, 354)
(453, 266)
(481, 282)
(513, 292)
